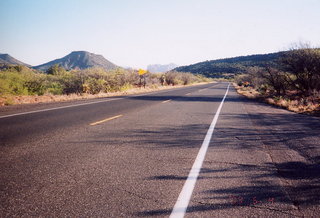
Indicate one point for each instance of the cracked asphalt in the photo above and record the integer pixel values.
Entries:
(262, 161)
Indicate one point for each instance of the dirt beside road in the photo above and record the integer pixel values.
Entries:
(307, 105)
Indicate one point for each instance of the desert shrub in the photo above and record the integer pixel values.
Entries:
(202, 78)
(276, 80)
(187, 78)
(71, 84)
(55, 70)
(243, 79)
(69, 81)
(126, 87)
(20, 80)
(93, 85)
(114, 80)
(173, 78)
(183, 78)
(12, 83)
(54, 88)
(35, 83)
(154, 80)
(119, 79)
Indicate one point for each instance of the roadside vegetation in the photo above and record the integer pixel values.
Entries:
(56, 81)
(292, 83)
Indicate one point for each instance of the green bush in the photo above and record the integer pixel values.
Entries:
(12, 83)
(35, 84)
(93, 85)
(55, 88)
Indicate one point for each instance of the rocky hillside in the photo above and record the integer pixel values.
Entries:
(6, 59)
(79, 60)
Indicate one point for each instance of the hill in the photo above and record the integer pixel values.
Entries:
(80, 60)
(228, 67)
(6, 59)
(159, 68)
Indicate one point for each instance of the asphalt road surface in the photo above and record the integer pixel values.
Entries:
(131, 156)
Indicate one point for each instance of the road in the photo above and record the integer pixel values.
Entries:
(130, 156)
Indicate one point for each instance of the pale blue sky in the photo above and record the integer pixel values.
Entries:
(136, 33)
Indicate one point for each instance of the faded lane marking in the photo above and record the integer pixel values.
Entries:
(166, 101)
(189, 93)
(182, 203)
(105, 120)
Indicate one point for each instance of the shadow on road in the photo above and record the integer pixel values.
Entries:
(262, 192)
(195, 98)
(298, 181)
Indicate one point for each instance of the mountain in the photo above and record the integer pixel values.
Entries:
(228, 67)
(158, 68)
(6, 59)
(80, 60)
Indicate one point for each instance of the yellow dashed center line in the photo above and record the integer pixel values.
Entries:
(166, 101)
(105, 120)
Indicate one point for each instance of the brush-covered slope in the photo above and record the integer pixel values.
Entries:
(228, 67)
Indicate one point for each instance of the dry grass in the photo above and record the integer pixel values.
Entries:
(11, 100)
(247, 91)
(307, 105)
(302, 106)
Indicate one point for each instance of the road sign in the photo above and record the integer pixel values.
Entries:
(141, 72)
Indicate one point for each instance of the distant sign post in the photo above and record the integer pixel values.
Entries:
(142, 73)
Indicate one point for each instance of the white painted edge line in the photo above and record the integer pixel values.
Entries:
(68, 106)
(88, 103)
(182, 203)
(56, 108)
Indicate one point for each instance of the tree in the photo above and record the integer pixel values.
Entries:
(55, 70)
(276, 79)
(304, 64)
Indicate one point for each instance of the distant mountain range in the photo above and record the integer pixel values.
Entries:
(221, 68)
(6, 59)
(158, 68)
(79, 60)
(228, 67)
(74, 60)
